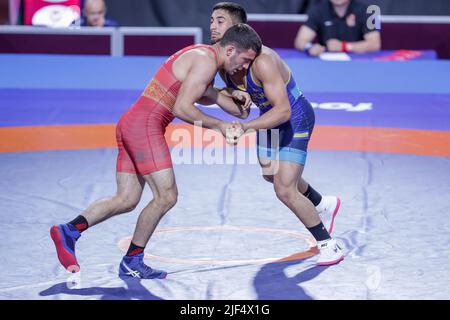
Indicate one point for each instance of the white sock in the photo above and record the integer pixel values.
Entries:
(321, 206)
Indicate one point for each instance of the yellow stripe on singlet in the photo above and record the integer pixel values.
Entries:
(301, 135)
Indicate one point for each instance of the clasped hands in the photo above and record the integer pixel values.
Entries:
(232, 131)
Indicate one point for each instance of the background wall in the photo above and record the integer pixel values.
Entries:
(196, 13)
(192, 13)
(412, 7)
(4, 14)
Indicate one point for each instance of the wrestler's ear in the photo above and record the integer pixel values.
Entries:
(230, 50)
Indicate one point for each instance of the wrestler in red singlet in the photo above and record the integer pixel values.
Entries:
(140, 131)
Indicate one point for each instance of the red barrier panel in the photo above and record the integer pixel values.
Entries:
(46, 12)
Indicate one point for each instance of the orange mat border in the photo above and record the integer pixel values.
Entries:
(340, 138)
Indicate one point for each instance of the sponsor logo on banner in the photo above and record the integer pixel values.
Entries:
(345, 106)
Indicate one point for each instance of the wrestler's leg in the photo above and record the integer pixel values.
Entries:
(129, 191)
(165, 195)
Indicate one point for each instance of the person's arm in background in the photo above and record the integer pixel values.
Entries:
(371, 40)
(303, 41)
(307, 33)
(371, 43)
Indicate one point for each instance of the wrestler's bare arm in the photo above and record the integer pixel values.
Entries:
(241, 110)
(199, 76)
(266, 71)
(226, 100)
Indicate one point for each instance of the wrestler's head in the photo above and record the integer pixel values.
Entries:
(241, 45)
(224, 16)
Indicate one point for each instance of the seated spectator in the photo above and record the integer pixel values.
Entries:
(340, 26)
(94, 15)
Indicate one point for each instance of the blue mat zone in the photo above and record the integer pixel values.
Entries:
(88, 90)
(28, 107)
(392, 222)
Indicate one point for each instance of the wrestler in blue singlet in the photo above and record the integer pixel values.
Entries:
(293, 136)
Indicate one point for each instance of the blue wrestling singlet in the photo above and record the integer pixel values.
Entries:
(288, 141)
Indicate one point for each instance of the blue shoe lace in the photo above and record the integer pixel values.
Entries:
(144, 270)
(71, 235)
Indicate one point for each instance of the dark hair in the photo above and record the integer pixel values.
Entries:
(236, 11)
(243, 37)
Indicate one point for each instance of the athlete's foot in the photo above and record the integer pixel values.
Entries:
(328, 209)
(134, 266)
(65, 236)
(329, 253)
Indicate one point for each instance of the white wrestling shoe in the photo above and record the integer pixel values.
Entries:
(329, 253)
(328, 208)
